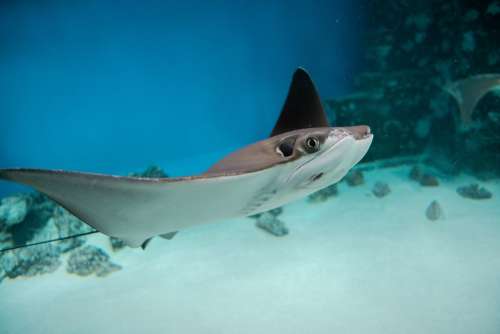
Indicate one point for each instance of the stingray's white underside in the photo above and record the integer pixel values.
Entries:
(137, 209)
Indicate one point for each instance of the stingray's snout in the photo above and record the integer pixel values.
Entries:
(359, 131)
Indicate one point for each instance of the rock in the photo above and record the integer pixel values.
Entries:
(64, 224)
(323, 194)
(428, 180)
(151, 172)
(416, 173)
(116, 243)
(37, 219)
(5, 239)
(424, 178)
(42, 220)
(90, 260)
(434, 211)
(13, 209)
(30, 261)
(473, 191)
(381, 189)
(271, 224)
(355, 178)
(40, 210)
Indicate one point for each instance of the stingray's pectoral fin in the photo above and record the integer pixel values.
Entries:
(145, 243)
(115, 206)
(167, 236)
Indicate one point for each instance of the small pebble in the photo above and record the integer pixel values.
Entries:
(323, 194)
(116, 244)
(89, 260)
(271, 224)
(428, 180)
(381, 189)
(473, 191)
(425, 179)
(153, 172)
(434, 211)
(355, 178)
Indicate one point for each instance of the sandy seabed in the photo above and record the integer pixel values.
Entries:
(352, 264)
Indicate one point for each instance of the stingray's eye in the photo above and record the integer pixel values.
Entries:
(285, 148)
(311, 144)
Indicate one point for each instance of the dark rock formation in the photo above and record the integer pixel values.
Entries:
(30, 261)
(116, 244)
(270, 223)
(33, 217)
(428, 180)
(151, 172)
(355, 178)
(13, 209)
(323, 194)
(473, 191)
(381, 189)
(64, 224)
(38, 219)
(90, 260)
(425, 178)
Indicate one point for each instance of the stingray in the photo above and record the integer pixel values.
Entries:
(468, 92)
(302, 155)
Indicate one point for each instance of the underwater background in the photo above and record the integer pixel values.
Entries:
(407, 242)
(111, 88)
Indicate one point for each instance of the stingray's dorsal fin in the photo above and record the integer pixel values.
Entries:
(302, 107)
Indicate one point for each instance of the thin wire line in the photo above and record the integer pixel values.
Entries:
(47, 241)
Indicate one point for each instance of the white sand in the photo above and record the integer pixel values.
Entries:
(354, 264)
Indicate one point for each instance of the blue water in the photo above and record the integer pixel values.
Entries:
(406, 242)
(97, 86)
